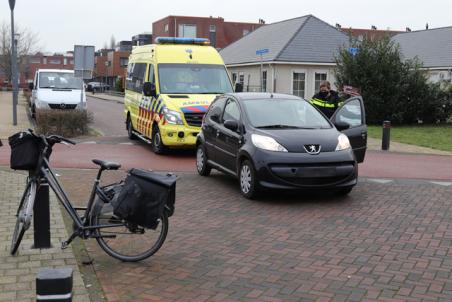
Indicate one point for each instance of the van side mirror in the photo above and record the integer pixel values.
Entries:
(30, 86)
(149, 89)
(231, 125)
(238, 87)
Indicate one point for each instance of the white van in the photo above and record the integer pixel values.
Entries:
(57, 89)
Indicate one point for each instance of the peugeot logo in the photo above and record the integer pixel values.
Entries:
(312, 149)
(63, 105)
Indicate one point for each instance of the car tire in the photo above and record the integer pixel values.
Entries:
(249, 185)
(157, 144)
(344, 191)
(201, 161)
(129, 127)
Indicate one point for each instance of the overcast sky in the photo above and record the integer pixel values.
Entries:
(62, 23)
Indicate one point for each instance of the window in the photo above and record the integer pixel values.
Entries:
(350, 113)
(44, 60)
(212, 28)
(187, 30)
(264, 81)
(216, 108)
(65, 61)
(319, 77)
(71, 62)
(234, 77)
(35, 60)
(59, 80)
(151, 75)
(55, 61)
(245, 32)
(298, 84)
(241, 78)
(135, 77)
(123, 62)
(166, 28)
(231, 111)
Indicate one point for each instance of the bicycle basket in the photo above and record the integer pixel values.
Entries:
(24, 151)
(144, 197)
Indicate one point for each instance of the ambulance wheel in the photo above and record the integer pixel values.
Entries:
(157, 144)
(129, 127)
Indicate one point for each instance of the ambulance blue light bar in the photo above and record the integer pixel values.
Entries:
(172, 40)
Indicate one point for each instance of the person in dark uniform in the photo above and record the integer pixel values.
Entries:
(326, 100)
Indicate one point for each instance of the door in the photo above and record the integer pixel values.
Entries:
(211, 126)
(228, 141)
(352, 113)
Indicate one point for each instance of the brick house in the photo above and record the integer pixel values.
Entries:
(110, 65)
(219, 32)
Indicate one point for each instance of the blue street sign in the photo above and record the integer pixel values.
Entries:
(353, 51)
(261, 52)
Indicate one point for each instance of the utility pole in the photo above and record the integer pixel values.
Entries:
(12, 3)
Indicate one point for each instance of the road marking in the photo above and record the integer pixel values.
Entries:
(381, 181)
(442, 183)
(89, 142)
(126, 143)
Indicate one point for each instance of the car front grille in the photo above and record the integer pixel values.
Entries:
(194, 119)
(62, 106)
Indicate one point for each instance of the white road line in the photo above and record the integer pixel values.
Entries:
(442, 183)
(380, 181)
(89, 142)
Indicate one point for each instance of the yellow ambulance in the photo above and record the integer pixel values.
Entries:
(169, 87)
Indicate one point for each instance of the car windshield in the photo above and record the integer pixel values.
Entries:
(284, 114)
(193, 78)
(59, 80)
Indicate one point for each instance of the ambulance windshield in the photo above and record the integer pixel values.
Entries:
(193, 79)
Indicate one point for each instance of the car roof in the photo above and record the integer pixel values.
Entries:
(262, 95)
(56, 70)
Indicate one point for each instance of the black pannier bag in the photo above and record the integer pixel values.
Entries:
(144, 196)
(24, 151)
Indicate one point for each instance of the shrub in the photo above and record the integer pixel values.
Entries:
(68, 123)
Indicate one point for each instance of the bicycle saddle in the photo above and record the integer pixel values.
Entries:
(106, 165)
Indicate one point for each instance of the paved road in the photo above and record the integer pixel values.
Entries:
(108, 117)
(384, 242)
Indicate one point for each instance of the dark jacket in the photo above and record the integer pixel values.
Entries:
(326, 103)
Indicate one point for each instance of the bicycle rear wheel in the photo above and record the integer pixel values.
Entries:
(127, 242)
(23, 216)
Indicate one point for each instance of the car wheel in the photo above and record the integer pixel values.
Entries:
(201, 161)
(130, 129)
(157, 144)
(343, 191)
(249, 186)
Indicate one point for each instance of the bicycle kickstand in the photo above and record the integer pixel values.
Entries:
(66, 243)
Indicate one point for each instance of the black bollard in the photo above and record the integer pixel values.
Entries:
(386, 135)
(41, 219)
(54, 284)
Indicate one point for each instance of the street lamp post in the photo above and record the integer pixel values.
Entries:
(12, 3)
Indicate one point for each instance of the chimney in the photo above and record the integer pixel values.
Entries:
(408, 29)
(373, 27)
(426, 25)
(338, 25)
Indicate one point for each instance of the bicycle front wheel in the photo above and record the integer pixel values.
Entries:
(127, 242)
(24, 215)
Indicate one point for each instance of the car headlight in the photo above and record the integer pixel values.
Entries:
(342, 142)
(173, 117)
(266, 143)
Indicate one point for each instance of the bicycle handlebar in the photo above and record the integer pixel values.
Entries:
(53, 139)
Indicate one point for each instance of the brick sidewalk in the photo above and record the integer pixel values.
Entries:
(387, 241)
(6, 115)
(18, 273)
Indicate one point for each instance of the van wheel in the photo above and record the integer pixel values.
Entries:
(249, 185)
(129, 128)
(157, 144)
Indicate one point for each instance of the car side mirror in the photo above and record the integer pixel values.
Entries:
(238, 87)
(149, 89)
(30, 86)
(231, 125)
(341, 125)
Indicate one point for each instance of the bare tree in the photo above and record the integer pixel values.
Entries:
(27, 44)
(112, 42)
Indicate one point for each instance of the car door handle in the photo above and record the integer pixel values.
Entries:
(218, 133)
(364, 134)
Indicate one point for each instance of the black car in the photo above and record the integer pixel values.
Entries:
(281, 141)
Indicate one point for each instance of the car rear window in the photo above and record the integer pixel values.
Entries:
(294, 113)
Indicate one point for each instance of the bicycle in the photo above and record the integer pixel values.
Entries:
(118, 237)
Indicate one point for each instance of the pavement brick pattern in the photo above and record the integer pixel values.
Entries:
(18, 273)
(385, 242)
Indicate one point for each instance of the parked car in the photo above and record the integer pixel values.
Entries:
(97, 86)
(281, 141)
(57, 89)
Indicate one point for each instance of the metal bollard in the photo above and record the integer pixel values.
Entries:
(386, 135)
(41, 219)
(54, 284)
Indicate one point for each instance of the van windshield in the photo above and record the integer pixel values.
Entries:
(193, 78)
(59, 80)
